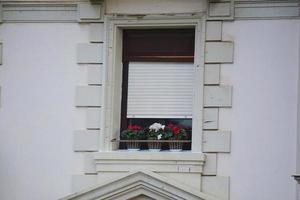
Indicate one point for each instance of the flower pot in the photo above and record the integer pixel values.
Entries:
(175, 146)
(154, 146)
(133, 146)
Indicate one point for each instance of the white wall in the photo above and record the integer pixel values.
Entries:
(263, 119)
(37, 113)
(298, 128)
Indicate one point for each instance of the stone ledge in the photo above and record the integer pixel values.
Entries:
(124, 161)
(297, 177)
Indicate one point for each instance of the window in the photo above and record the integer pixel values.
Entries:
(158, 77)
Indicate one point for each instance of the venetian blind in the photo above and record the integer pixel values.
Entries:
(160, 90)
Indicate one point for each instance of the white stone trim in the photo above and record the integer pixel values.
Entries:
(141, 182)
(83, 11)
(114, 70)
(214, 30)
(267, 10)
(212, 74)
(217, 141)
(93, 119)
(217, 186)
(86, 140)
(176, 162)
(210, 167)
(1, 52)
(82, 181)
(218, 96)
(95, 74)
(89, 164)
(211, 119)
(90, 53)
(297, 178)
(221, 10)
(90, 11)
(96, 32)
(88, 96)
(219, 52)
(38, 12)
(1, 13)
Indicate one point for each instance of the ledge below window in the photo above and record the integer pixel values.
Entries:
(161, 162)
(297, 177)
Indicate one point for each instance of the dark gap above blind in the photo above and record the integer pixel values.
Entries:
(169, 45)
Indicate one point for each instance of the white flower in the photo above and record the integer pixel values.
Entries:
(156, 127)
(159, 136)
(163, 127)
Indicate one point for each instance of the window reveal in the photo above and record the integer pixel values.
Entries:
(158, 78)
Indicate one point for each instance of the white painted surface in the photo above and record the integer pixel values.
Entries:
(213, 30)
(93, 118)
(217, 186)
(155, 6)
(212, 74)
(263, 115)
(298, 128)
(89, 11)
(38, 114)
(211, 118)
(88, 96)
(218, 96)
(90, 53)
(160, 90)
(95, 74)
(219, 52)
(86, 140)
(216, 141)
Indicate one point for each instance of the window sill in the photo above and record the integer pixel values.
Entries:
(297, 177)
(164, 161)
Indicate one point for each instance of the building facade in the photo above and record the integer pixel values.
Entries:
(230, 69)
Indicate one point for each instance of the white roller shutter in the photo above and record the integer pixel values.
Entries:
(160, 90)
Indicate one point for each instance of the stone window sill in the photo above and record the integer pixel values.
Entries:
(170, 162)
(297, 177)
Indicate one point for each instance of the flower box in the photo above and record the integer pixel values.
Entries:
(156, 135)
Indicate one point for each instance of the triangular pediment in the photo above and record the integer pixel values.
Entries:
(140, 185)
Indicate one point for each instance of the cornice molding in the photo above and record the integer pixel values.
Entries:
(51, 11)
(69, 10)
(253, 9)
(266, 9)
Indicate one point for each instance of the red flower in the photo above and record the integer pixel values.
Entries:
(134, 127)
(170, 125)
(176, 130)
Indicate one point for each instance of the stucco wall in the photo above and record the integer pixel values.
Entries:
(298, 128)
(263, 116)
(38, 117)
(37, 113)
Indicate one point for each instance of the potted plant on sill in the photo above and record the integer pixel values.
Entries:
(154, 133)
(175, 134)
(131, 135)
